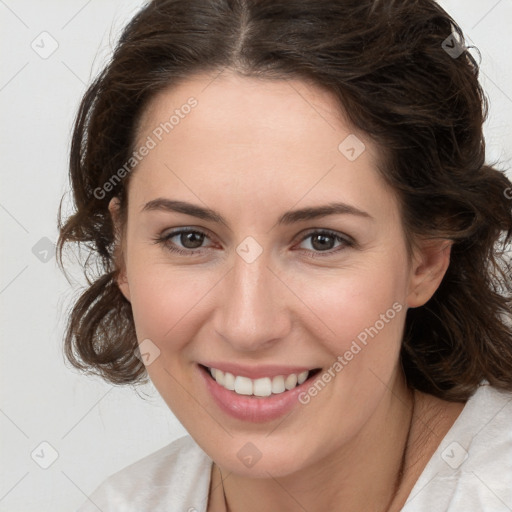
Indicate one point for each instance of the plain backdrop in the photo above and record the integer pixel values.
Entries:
(81, 428)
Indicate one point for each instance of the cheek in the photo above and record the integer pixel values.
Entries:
(164, 300)
(347, 304)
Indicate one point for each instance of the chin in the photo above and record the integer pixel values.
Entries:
(260, 457)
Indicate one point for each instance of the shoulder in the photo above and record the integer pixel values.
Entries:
(471, 470)
(177, 476)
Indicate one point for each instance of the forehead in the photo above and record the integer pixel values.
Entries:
(277, 138)
(250, 112)
(233, 95)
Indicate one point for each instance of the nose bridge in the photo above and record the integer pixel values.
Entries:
(251, 315)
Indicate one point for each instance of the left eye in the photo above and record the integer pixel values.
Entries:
(190, 239)
(324, 242)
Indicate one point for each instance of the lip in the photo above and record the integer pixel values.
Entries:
(257, 372)
(251, 408)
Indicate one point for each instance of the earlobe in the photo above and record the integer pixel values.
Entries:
(122, 283)
(121, 278)
(430, 264)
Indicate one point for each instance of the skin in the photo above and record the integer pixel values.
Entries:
(252, 150)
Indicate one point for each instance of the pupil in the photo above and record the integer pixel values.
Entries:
(326, 240)
(191, 240)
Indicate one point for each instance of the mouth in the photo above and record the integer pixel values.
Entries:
(245, 401)
(262, 387)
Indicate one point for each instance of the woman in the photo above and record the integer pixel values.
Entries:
(302, 246)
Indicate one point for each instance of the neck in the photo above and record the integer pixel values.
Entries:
(368, 472)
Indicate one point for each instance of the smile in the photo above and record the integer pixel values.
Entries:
(257, 399)
(265, 386)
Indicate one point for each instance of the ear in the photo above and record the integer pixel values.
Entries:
(430, 263)
(122, 279)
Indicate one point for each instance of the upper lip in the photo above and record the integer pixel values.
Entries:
(257, 372)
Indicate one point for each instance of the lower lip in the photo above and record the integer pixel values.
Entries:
(252, 408)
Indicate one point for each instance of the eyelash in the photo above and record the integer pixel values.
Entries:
(165, 240)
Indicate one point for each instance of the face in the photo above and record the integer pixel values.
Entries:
(261, 242)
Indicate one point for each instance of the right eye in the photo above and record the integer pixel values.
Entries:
(189, 239)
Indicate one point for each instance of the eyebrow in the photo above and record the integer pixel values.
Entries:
(293, 216)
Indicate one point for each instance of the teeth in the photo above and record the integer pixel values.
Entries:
(302, 377)
(229, 380)
(262, 387)
(243, 385)
(278, 384)
(291, 381)
(218, 376)
(258, 387)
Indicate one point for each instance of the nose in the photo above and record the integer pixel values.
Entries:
(252, 314)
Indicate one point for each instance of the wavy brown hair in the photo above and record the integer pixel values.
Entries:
(402, 75)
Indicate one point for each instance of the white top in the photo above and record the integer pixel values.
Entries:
(471, 471)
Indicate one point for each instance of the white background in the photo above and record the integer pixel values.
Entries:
(97, 428)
